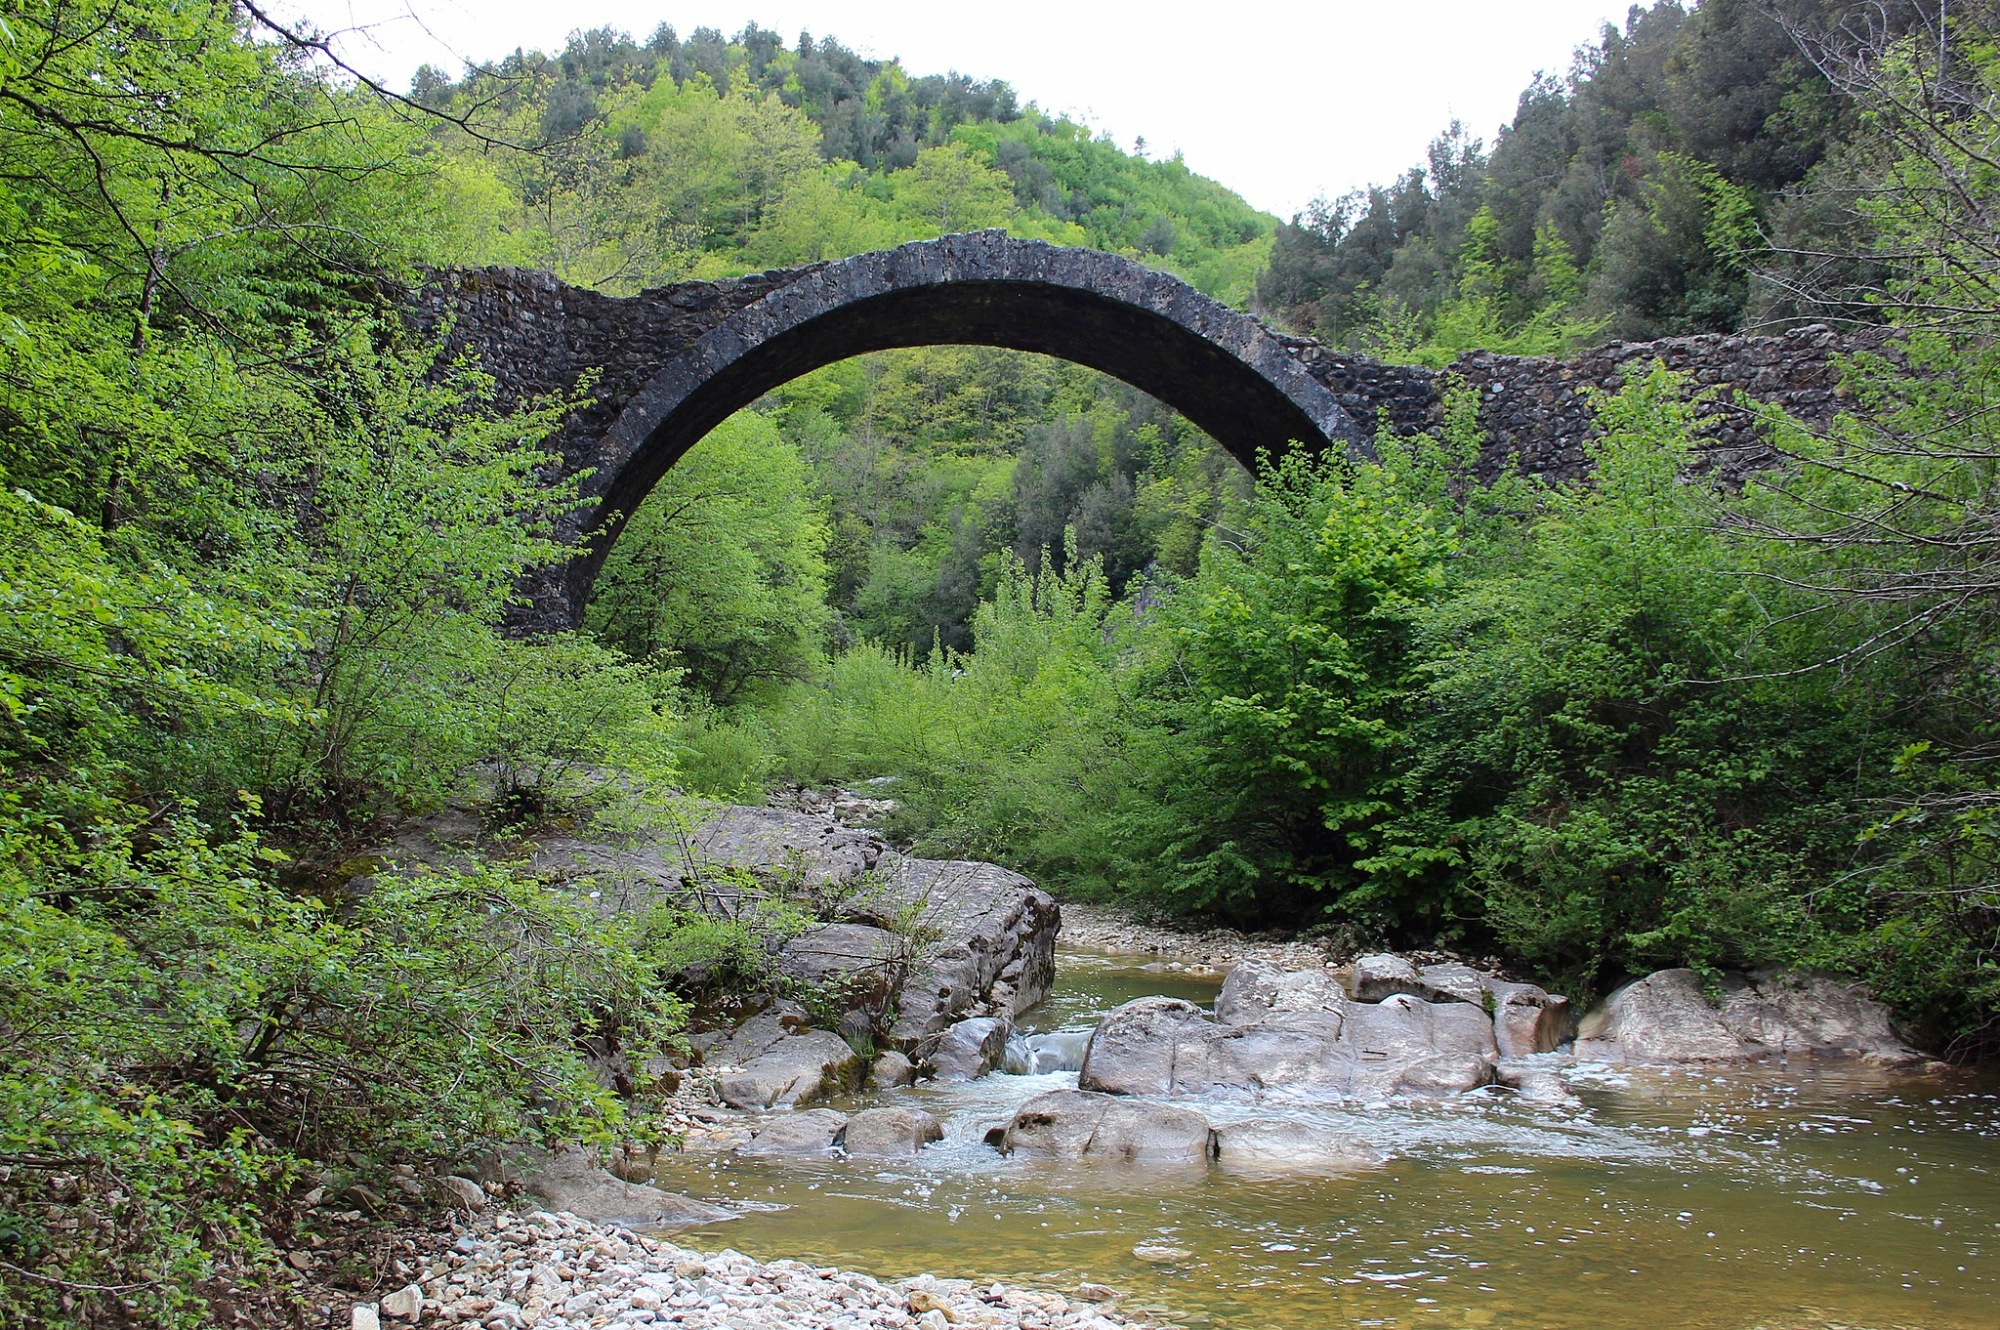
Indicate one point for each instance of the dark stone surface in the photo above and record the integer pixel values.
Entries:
(674, 363)
(666, 366)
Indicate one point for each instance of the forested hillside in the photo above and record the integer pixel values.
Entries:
(710, 156)
(258, 539)
(1692, 172)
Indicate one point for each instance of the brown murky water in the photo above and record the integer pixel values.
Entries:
(1774, 1198)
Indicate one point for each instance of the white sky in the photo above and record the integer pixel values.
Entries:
(1277, 99)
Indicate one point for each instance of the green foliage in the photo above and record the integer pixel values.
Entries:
(1285, 676)
(1632, 199)
(255, 552)
(722, 570)
(1588, 725)
(708, 157)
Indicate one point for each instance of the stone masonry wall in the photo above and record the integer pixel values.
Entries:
(537, 335)
(1535, 410)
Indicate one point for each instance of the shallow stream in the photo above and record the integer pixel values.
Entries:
(1778, 1197)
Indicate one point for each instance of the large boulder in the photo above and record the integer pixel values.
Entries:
(1664, 1017)
(1786, 1012)
(988, 944)
(1077, 1124)
(1135, 1047)
(1667, 1018)
(572, 1180)
(778, 1064)
(890, 1132)
(1403, 1045)
(971, 1048)
(1283, 1145)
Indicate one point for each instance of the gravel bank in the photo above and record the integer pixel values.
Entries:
(1098, 928)
(558, 1272)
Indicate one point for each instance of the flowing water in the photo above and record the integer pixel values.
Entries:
(1779, 1197)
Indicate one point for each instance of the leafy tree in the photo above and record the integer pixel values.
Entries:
(950, 189)
(722, 570)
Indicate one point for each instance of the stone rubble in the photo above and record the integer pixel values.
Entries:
(553, 1271)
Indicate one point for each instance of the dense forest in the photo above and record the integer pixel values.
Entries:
(1695, 172)
(260, 539)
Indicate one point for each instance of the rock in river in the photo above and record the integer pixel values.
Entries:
(808, 1132)
(1403, 1045)
(1284, 1145)
(1076, 1124)
(968, 1050)
(890, 1132)
(1667, 1018)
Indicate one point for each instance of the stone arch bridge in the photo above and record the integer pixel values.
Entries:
(671, 364)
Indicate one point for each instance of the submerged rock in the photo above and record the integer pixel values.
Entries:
(1535, 1084)
(1078, 1124)
(1283, 1145)
(1037, 1054)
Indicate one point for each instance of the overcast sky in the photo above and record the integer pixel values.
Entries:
(1278, 100)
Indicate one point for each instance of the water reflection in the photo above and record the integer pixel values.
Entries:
(1775, 1198)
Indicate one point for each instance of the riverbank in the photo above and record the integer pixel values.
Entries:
(1107, 929)
(557, 1272)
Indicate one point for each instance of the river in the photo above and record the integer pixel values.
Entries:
(1775, 1197)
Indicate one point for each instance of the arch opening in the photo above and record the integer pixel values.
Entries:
(1221, 369)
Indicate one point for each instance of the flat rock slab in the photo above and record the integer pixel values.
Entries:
(572, 1180)
(1283, 1145)
(777, 842)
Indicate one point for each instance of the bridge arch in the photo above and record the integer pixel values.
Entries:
(1222, 369)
